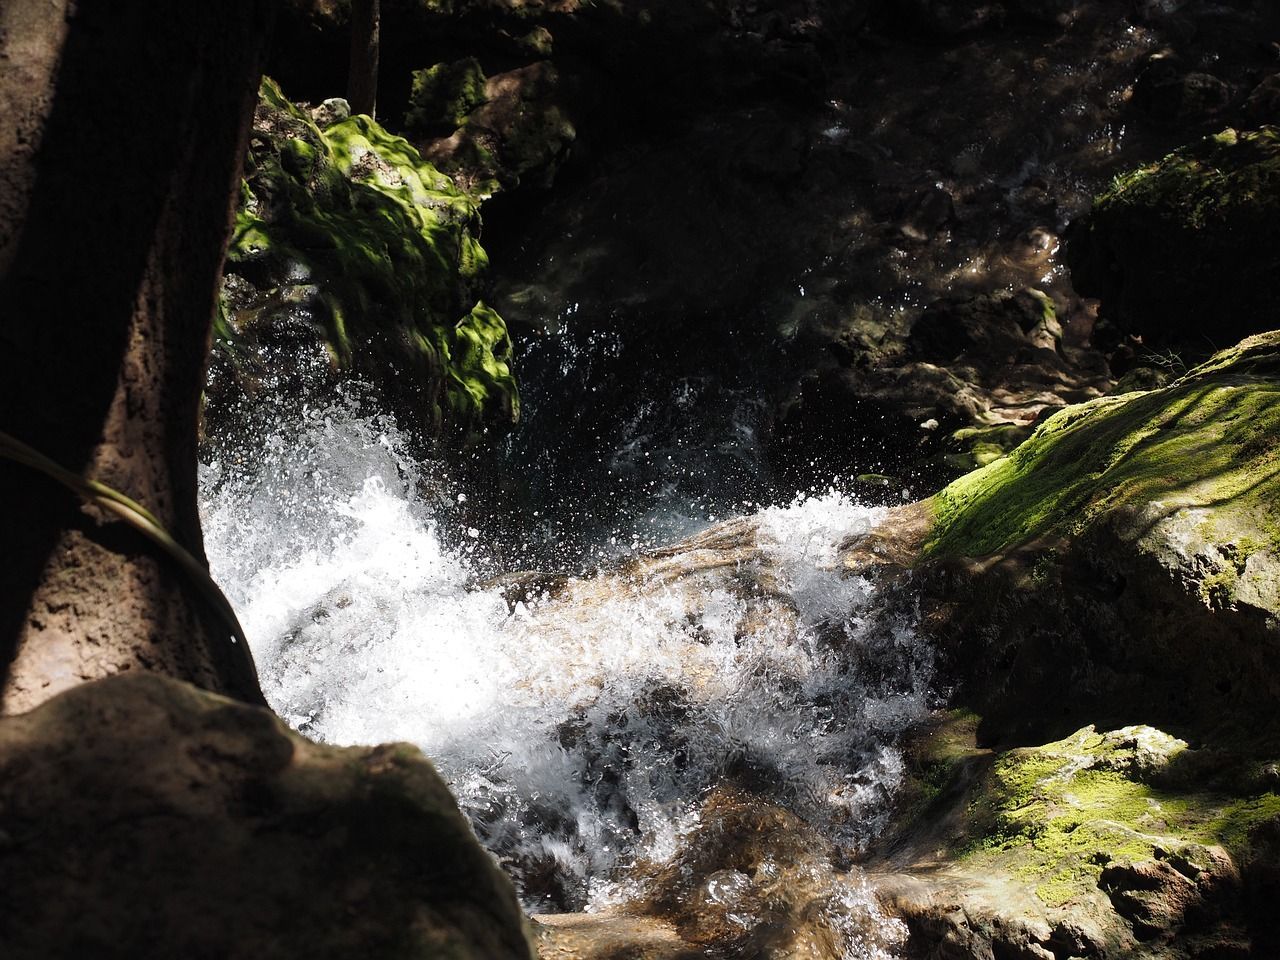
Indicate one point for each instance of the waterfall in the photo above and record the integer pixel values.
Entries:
(580, 727)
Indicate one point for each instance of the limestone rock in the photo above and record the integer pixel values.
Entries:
(141, 817)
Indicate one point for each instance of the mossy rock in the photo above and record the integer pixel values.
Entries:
(443, 95)
(347, 236)
(1185, 251)
(1205, 448)
(1056, 815)
(1121, 563)
(1119, 843)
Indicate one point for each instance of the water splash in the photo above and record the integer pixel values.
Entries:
(581, 730)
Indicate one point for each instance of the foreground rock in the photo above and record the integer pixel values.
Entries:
(141, 817)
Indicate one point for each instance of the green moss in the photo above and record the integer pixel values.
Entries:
(1205, 183)
(1236, 821)
(1211, 440)
(444, 94)
(1184, 251)
(352, 222)
(1055, 816)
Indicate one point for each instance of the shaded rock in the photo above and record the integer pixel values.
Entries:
(1167, 92)
(145, 818)
(991, 331)
(963, 386)
(948, 18)
(508, 130)
(1183, 252)
(1263, 105)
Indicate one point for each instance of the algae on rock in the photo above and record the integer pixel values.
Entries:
(347, 240)
(1121, 843)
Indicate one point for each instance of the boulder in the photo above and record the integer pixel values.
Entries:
(1111, 549)
(142, 817)
(1183, 252)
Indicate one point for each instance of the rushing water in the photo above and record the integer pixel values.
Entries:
(580, 731)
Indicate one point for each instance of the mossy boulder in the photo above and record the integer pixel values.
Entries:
(1119, 843)
(1086, 576)
(1185, 252)
(1206, 446)
(348, 246)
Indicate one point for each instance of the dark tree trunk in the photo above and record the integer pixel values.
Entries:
(120, 152)
(362, 80)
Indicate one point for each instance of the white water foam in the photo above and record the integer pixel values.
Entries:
(578, 733)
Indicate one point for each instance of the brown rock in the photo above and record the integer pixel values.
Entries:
(142, 817)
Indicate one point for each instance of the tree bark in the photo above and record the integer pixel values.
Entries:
(362, 79)
(125, 127)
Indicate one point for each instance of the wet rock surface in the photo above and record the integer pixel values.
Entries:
(141, 817)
